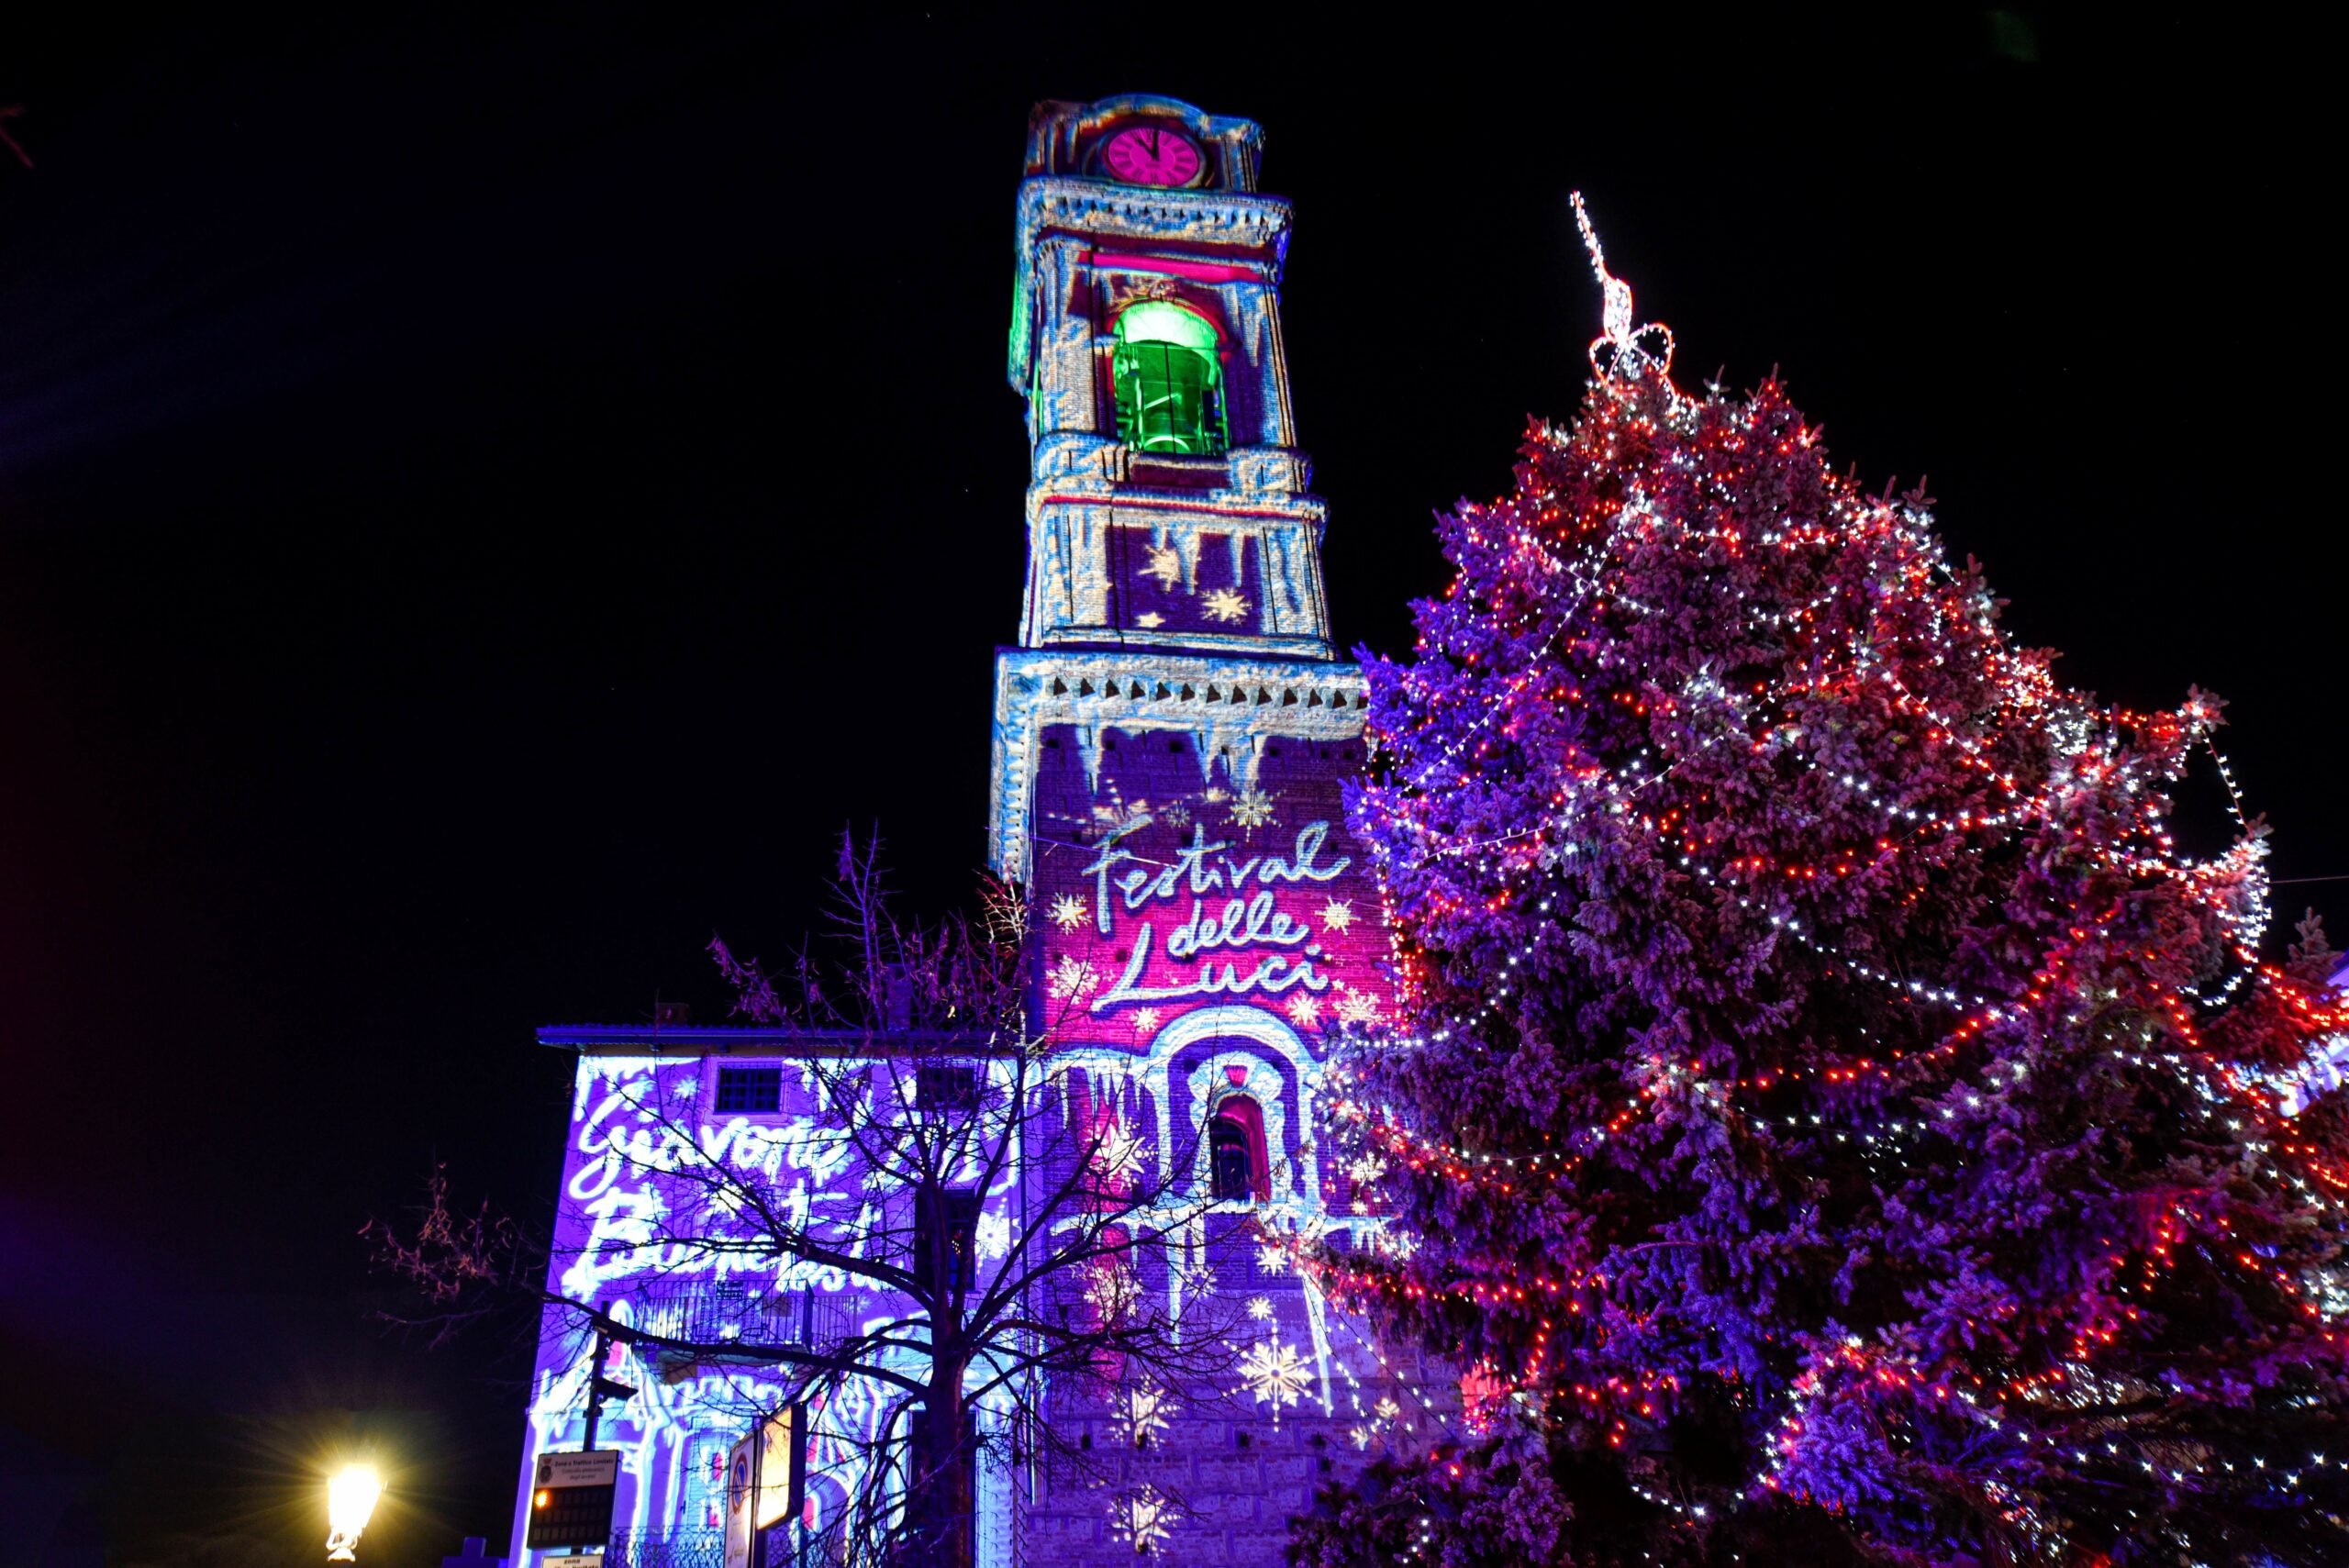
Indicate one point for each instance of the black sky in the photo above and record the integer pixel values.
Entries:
(482, 501)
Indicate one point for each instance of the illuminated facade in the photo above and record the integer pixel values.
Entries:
(651, 1106)
(1171, 740)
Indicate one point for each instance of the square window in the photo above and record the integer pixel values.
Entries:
(945, 1088)
(958, 1207)
(756, 1089)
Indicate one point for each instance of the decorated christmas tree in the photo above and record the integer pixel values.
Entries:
(1832, 1120)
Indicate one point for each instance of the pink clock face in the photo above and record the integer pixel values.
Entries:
(1152, 155)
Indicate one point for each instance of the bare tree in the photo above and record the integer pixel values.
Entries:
(1020, 1244)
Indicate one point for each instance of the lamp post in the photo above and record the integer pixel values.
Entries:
(351, 1502)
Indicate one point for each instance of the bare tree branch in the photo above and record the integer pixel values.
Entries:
(923, 1079)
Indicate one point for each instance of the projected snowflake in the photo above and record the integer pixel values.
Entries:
(1386, 1415)
(1141, 1517)
(1140, 1413)
(1113, 1292)
(1071, 978)
(1275, 1372)
(1251, 807)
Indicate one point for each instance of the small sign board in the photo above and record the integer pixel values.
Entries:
(597, 1467)
(573, 1560)
(783, 1456)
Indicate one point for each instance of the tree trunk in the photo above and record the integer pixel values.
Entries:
(940, 1505)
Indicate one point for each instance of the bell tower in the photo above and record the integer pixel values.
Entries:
(1167, 504)
(1172, 738)
(1174, 547)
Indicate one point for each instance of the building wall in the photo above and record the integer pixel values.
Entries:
(642, 1113)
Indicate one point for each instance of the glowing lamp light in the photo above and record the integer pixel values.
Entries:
(351, 1503)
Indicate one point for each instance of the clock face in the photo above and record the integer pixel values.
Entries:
(1153, 155)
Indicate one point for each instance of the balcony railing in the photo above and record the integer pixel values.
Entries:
(676, 1549)
(827, 1548)
(717, 1312)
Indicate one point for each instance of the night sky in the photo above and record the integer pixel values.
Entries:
(484, 502)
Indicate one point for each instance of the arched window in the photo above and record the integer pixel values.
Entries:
(1169, 382)
(1236, 1163)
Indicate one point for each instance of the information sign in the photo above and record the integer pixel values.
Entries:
(571, 1499)
(597, 1467)
(766, 1479)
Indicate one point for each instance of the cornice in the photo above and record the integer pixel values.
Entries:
(1217, 699)
(1103, 209)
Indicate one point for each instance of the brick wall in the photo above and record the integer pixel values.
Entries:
(1141, 842)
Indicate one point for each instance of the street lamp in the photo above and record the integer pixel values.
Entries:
(351, 1502)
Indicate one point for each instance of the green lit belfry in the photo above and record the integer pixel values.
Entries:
(1167, 503)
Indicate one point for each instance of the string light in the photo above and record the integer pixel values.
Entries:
(1567, 773)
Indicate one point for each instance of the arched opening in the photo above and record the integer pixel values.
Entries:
(1169, 382)
(1237, 1168)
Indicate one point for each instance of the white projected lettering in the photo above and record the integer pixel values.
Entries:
(1123, 882)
